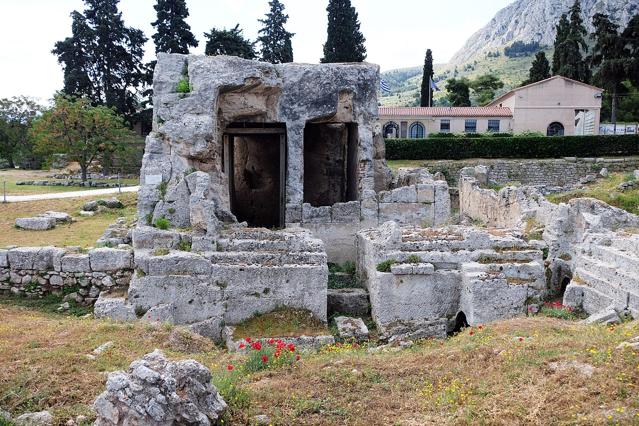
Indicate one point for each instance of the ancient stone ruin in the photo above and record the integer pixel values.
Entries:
(262, 174)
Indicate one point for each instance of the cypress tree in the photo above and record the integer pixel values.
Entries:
(427, 94)
(563, 29)
(275, 40)
(609, 56)
(571, 63)
(630, 37)
(229, 42)
(345, 41)
(110, 57)
(539, 70)
(173, 34)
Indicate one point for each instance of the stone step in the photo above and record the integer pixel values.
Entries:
(601, 285)
(292, 245)
(623, 259)
(262, 234)
(267, 258)
(609, 272)
(629, 244)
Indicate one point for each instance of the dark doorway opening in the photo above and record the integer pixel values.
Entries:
(255, 163)
(460, 323)
(330, 163)
(564, 285)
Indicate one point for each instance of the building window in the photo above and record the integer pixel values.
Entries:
(493, 126)
(471, 126)
(444, 126)
(391, 130)
(555, 129)
(417, 131)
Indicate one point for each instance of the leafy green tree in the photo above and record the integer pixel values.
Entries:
(485, 87)
(426, 98)
(345, 41)
(630, 37)
(102, 59)
(570, 61)
(16, 116)
(563, 30)
(80, 130)
(173, 34)
(273, 37)
(609, 56)
(458, 92)
(539, 70)
(229, 42)
(628, 104)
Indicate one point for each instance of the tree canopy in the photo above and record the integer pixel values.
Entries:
(229, 42)
(485, 87)
(102, 59)
(570, 47)
(16, 116)
(539, 70)
(277, 47)
(80, 130)
(426, 98)
(345, 41)
(173, 34)
(458, 92)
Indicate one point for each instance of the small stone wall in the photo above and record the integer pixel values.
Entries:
(537, 172)
(39, 271)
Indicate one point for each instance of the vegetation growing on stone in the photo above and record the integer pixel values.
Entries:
(162, 223)
(385, 266)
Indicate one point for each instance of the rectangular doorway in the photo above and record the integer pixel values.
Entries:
(330, 163)
(255, 163)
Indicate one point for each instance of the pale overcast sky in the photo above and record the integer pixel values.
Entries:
(397, 31)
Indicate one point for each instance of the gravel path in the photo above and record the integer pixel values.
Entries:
(72, 194)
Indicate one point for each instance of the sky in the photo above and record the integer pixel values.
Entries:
(397, 31)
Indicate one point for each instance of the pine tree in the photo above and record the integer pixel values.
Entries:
(485, 87)
(274, 39)
(539, 70)
(229, 42)
(345, 41)
(570, 62)
(426, 99)
(173, 34)
(458, 92)
(609, 56)
(563, 30)
(106, 53)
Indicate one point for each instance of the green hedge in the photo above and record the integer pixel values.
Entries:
(512, 147)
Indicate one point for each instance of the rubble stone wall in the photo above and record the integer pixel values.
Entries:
(536, 172)
(39, 271)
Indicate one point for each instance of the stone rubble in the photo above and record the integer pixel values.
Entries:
(41, 418)
(351, 328)
(155, 390)
(349, 301)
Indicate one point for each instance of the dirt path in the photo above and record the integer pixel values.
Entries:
(72, 194)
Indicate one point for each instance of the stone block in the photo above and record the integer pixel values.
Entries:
(75, 263)
(114, 308)
(425, 193)
(22, 257)
(345, 212)
(423, 269)
(4, 259)
(46, 258)
(405, 194)
(349, 301)
(351, 328)
(108, 259)
(179, 263)
(35, 223)
(605, 316)
(161, 313)
(312, 214)
(146, 237)
(59, 217)
(402, 269)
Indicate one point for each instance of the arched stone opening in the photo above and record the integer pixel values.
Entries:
(460, 323)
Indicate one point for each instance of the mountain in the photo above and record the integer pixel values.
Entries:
(524, 21)
(535, 20)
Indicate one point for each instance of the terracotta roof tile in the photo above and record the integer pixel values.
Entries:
(444, 112)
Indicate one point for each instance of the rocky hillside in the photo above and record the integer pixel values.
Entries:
(535, 20)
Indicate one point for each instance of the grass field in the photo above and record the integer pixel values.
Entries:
(606, 190)
(499, 374)
(84, 232)
(10, 177)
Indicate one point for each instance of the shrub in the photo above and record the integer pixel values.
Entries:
(458, 148)
(183, 86)
(413, 259)
(162, 223)
(184, 245)
(385, 266)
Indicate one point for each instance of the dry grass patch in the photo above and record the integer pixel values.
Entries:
(281, 323)
(498, 374)
(84, 232)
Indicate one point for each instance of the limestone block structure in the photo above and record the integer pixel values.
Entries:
(441, 279)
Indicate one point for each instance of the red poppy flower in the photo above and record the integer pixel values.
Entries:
(521, 339)
(242, 345)
(471, 333)
(257, 346)
(264, 359)
(291, 347)
(298, 357)
(230, 367)
(278, 353)
(280, 344)
(271, 342)
(481, 327)
(248, 340)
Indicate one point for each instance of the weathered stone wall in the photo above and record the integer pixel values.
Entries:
(537, 172)
(39, 271)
